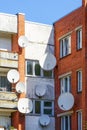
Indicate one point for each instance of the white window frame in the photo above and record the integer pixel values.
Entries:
(65, 84)
(79, 38)
(33, 70)
(65, 47)
(79, 118)
(42, 107)
(64, 126)
(79, 80)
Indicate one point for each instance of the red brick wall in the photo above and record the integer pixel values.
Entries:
(72, 62)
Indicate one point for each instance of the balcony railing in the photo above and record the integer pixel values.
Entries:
(8, 59)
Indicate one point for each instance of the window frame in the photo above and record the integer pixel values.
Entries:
(65, 47)
(66, 80)
(79, 81)
(79, 120)
(64, 122)
(42, 107)
(79, 38)
(42, 72)
(7, 85)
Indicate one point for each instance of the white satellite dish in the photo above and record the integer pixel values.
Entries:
(40, 90)
(47, 61)
(66, 101)
(13, 76)
(25, 105)
(44, 120)
(20, 87)
(23, 41)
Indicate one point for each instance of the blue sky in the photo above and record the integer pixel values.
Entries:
(42, 11)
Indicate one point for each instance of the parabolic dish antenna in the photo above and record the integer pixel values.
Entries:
(25, 105)
(40, 90)
(13, 76)
(66, 101)
(44, 120)
(23, 41)
(20, 87)
(47, 61)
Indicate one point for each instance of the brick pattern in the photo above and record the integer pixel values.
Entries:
(18, 119)
(76, 60)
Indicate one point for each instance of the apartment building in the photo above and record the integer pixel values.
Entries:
(38, 82)
(70, 34)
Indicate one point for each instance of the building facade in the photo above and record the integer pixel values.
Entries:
(70, 33)
(26, 61)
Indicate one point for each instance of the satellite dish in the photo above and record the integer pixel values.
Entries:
(25, 105)
(13, 76)
(20, 87)
(66, 101)
(23, 41)
(47, 61)
(44, 120)
(41, 90)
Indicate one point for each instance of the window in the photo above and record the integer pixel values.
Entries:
(33, 69)
(66, 122)
(79, 114)
(79, 80)
(43, 107)
(79, 39)
(5, 42)
(65, 84)
(65, 46)
(4, 84)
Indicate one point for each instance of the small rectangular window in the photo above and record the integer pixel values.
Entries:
(48, 107)
(79, 80)
(79, 39)
(43, 107)
(33, 69)
(65, 84)
(5, 85)
(65, 46)
(66, 122)
(79, 114)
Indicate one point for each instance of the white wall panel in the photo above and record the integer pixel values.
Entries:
(8, 23)
(31, 86)
(32, 123)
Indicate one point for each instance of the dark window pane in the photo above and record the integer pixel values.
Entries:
(47, 104)
(37, 107)
(47, 74)
(37, 69)
(48, 111)
(5, 85)
(29, 68)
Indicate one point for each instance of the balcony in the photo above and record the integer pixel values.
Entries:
(8, 100)
(8, 59)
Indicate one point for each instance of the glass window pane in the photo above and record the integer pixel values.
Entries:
(37, 107)
(29, 68)
(37, 69)
(48, 111)
(47, 104)
(47, 73)
(5, 85)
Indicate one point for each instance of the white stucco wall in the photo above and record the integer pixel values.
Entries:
(32, 123)
(31, 84)
(40, 38)
(8, 23)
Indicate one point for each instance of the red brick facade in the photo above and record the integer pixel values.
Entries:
(18, 119)
(71, 63)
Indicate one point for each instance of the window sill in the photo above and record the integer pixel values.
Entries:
(65, 56)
